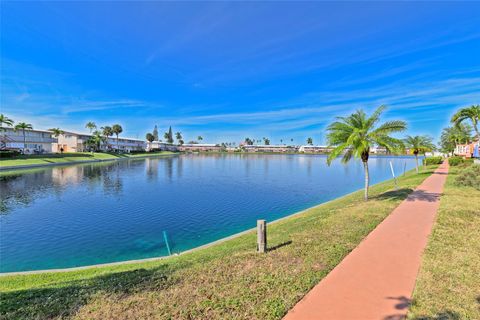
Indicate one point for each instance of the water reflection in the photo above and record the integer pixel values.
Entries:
(23, 187)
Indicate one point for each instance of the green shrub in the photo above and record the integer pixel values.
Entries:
(432, 160)
(455, 161)
(469, 177)
(9, 153)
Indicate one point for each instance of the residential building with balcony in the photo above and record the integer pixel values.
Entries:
(468, 150)
(200, 147)
(77, 142)
(35, 142)
(270, 148)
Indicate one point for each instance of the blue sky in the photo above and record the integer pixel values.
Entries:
(230, 70)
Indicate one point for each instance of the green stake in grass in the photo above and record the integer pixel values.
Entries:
(166, 242)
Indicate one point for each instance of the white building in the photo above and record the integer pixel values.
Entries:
(314, 149)
(200, 147)
(270, 148)
(161, 146)
(77, 142)
(35, 142)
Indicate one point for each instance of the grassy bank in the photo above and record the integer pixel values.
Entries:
(227, 280)
(56, 158)
(448, 285)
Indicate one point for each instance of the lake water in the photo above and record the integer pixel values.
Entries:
(80, 215)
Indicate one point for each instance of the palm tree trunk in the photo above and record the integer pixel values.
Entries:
(416, 162)
(118, 150)
(24, 142)
(476, 130)
(367, 179)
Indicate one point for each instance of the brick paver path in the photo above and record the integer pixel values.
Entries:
(376, 280)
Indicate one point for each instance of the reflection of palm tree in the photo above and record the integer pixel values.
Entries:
(354, 135)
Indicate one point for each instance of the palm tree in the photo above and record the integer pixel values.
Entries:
(107, 132)
(199, 138)
(471, 113)
(95, 140)
(354, 135)
(451, 136)
(150, 137)
(24, 126)
(56, 132)
(179, 137)
(117, 129)
(419, 144)
(5, 120)
(281, 141)
(91, 126)
(310, 141)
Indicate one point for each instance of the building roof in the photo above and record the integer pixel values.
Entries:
(31, 130)
(199, 145)
(89, 135)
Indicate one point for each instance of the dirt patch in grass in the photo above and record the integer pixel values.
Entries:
(228, 280)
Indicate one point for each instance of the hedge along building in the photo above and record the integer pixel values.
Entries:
(77, 142)
(34, 141)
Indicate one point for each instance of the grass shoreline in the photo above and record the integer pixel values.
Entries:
(227, 279)
(29, 162)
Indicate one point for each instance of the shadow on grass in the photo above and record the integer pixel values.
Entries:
(409, 195)
(278, 246)
(65, 299)
(404, 303)
(443, 315)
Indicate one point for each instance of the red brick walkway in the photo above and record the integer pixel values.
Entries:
(376, 280)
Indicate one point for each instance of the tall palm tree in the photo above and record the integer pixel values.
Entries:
(150, 137)
(452, 136)
(56, 132)
(471, 113)
(95, 140)
(419, 144)
(310, 141)
(117, 129)
(179, 137)
(354, 135)
(23, 126)
(91, 126)
(107, 132)
(5, 120)
(199, 138)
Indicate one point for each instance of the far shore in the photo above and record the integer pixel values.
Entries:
(48, 160)
(55, 159)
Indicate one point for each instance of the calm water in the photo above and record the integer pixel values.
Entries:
(86, 214)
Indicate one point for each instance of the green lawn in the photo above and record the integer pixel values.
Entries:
(227, 280)
(448, 285)
(71, 157)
